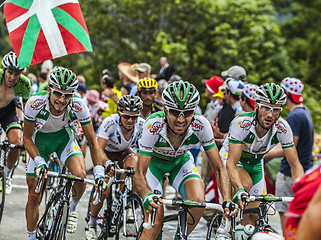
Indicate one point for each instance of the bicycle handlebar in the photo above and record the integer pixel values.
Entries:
(270, 199)
(7, 144)
(188, 204)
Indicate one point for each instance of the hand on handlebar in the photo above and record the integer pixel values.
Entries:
(150, 201)
(241, 197)
(230, 209)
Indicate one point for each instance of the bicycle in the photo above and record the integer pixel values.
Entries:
(118, 204)
(262, 211)
(53, 223)
(181, 217)
(51, 183)
(3, 160)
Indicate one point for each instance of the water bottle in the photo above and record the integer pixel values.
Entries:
(248, 230)
(239, 230)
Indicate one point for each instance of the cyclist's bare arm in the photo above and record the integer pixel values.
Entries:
(220, 173)
(27, 140)
(96, 154)
(140, 184)
(102, 142)
(310, 223)
(291, 156)
(234, 155)
(277, 151)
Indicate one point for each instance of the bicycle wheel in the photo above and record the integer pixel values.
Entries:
(59, 227)
(214, 225)
(46, 221)
(134, 218)
(2, 191)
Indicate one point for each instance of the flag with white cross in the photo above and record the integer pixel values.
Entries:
(45, 29)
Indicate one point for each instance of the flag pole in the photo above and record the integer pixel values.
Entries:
(2, 3)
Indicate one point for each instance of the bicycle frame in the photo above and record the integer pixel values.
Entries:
(58, 200)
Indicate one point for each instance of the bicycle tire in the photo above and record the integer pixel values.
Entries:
(45, 223)
(3, 191)
(214, 225)
(59, 227)
(134, 222)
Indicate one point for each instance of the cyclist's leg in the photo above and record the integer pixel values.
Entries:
(10, 123)
(187, 181)
(256, 173)
(76, 165)
(32, 207)
(70, 155)
(154, 177)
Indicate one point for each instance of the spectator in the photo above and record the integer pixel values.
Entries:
(82, 90)
(166, 70)
(125, 90)
(214, 106)
(110, 94)
(46, 67)
(81, 79)
(247, 97)
(236, 72)
(231, 107)
(43, 81)
(162, 84)
(128, 74)
(34, 85)
(300, 121)
(144, 70)
(96, 109)
(174, 78)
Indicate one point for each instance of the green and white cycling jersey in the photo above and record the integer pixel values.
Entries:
(178, 163)
(53, 133)
(110, 130)
(242, 131)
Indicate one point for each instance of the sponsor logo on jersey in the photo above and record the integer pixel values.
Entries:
(77, 106)
(197, 125)
(281, 127)
(173, 153)
(245, 124)
(35, 105)
(156, 127)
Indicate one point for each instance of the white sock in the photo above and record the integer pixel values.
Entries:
(8, 172)
(32, 235)
(92, 222)
(73, 205)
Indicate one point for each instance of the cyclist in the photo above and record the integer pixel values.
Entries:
(164, 148)
(147, 91)
(13, 83)
(251, 135)
(116, 135)
(48, 117)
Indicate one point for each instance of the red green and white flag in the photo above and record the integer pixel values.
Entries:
(45, 29)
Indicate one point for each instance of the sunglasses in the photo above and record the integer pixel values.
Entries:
(267, 109)
(176, 113)
(59, 94)
(128, 116)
